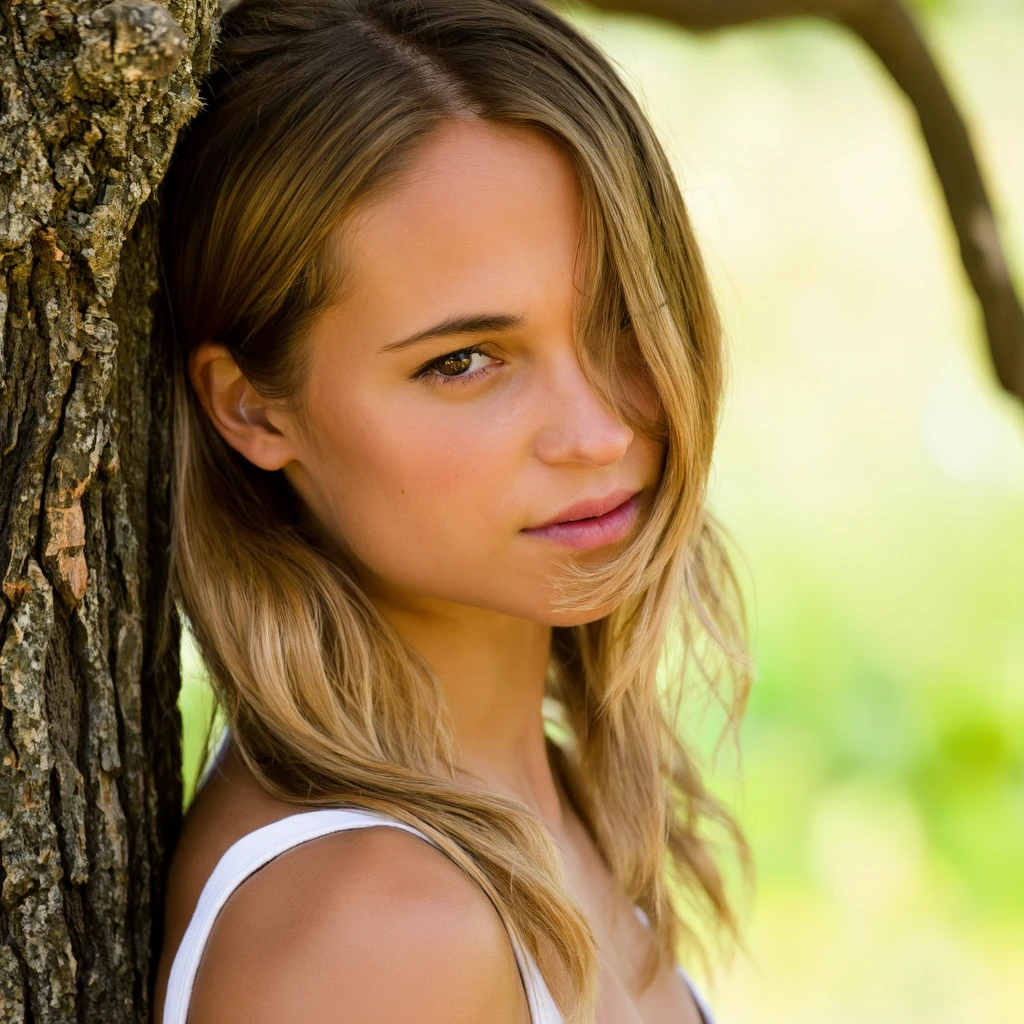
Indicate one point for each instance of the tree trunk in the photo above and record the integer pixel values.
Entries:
(91, 100)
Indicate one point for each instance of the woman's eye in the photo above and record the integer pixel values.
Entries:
(456, 367)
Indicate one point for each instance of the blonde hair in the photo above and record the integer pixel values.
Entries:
(311, 106)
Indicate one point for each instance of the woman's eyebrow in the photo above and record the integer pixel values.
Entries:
(465, 324)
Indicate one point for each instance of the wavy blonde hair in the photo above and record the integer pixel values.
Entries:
(311, 106)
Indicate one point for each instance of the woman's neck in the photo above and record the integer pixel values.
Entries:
(492, 669)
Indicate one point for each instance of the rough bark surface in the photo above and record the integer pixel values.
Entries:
(91, 100)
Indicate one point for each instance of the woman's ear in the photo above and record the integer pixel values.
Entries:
(240, 415)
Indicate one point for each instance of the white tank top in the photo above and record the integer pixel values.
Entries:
(259, 847)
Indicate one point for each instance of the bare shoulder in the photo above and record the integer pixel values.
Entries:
(365, 925)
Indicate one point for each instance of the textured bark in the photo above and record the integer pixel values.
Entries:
(91, 100)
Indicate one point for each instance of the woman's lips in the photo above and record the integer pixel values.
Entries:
(584, 534)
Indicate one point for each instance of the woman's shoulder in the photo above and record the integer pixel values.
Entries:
(374, 920)
(356, 914)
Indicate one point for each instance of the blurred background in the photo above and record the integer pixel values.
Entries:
(872, 475)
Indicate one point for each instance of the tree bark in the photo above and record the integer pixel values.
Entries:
(91, 100)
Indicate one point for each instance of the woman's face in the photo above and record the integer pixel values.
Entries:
(428, 470)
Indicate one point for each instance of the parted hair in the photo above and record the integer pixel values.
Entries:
(308, 107)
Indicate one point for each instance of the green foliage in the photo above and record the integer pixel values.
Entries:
(932, 6)
(201, 726)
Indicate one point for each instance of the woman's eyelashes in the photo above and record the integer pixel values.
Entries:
(458, 367)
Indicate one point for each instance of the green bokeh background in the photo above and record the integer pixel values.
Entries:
(872, 475)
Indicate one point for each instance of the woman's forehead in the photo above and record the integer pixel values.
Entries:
(481, 213)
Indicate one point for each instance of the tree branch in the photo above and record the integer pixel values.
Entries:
(887, 27)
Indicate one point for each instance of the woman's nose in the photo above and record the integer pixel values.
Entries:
(576, 425)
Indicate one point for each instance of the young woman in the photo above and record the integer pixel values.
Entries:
(448, 378)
